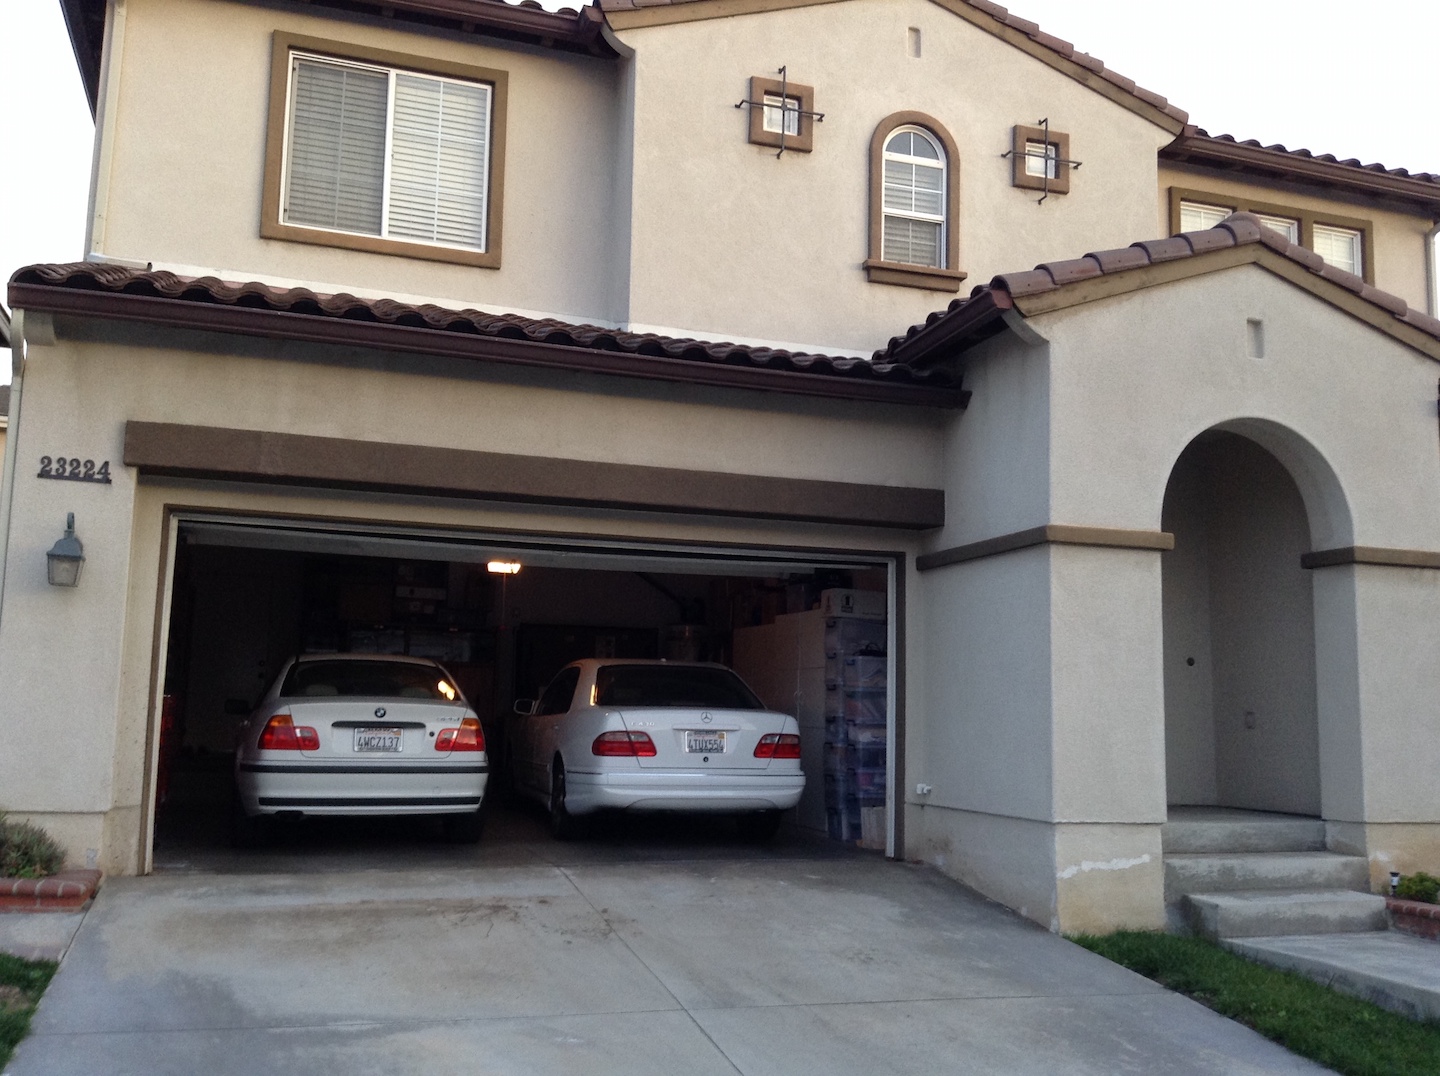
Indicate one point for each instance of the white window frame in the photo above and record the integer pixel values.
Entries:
(1357, 245)
(298, 56)
(1042, 159)
(942, 162)
(775, 106)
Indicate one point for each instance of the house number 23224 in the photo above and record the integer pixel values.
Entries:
(74, 469)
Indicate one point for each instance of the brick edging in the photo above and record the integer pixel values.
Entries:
(1414, 917)
(65, 891)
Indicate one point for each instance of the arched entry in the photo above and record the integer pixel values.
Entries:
(1241, 726)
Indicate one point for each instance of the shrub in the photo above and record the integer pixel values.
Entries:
(27, 851)
(1419, 886)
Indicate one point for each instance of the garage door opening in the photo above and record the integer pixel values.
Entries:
(812, 635)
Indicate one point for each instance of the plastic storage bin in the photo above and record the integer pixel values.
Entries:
(865, 671)
(847, 637)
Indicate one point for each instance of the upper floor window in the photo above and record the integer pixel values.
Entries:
(914, 231)
(1342, 242)
(1040, 159)
(379, 156)
(784, 115)
(913, 205)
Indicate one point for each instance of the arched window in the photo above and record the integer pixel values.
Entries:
(914, 228)
(913, 204)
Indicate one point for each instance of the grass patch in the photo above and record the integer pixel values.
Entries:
(1341, 1032)
(21, 984)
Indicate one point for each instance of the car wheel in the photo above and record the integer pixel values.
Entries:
(564, 826)
(759, 827)
(463, 828)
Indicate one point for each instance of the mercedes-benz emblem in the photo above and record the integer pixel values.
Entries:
(379, 711)
(707, 718)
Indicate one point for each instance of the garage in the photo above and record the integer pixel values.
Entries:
(811, 632)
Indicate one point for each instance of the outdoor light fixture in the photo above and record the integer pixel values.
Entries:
(66, 557)
(1394, 883)
(504, 567)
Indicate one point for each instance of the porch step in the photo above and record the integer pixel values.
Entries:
(1260, 913)
(1239, 872)
(1199, 834)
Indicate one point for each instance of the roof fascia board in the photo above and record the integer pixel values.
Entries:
(700, 11)
(1224, 157)
(309, 328)
(1111, 285)
(1070, 68)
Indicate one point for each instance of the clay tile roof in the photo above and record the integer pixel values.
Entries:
(967, 321)
(1003, 17)
(1197, 146)
(298, 313)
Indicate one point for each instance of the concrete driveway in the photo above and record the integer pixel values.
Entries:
(653, 950)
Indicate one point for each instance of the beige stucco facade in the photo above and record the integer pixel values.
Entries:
(1046, 726)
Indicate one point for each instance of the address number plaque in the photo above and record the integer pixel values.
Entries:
(74, 469)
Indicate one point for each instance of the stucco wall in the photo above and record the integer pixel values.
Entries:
(182, 176)
(734, 240)
(1398, 238)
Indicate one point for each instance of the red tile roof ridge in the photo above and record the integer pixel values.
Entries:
(1236, 230)
(1006, 18)
(103, 277)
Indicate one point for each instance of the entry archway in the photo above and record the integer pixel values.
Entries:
(1241, 711)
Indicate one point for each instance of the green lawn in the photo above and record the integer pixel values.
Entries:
(1341, 1032)
(21, 984)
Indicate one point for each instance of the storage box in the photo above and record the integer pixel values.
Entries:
(872, 828)
(867, 782)
(865, 755)
(865, 671)
(836, 731)
(845, 637)
(866, 734)
(864, 706)
(869, 604)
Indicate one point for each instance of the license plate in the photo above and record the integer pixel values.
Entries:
(705, 743)
(372, 740)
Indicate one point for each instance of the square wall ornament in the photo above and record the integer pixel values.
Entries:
(1040, 160)
(782, 108)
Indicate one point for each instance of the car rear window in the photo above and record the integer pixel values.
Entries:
(664, 685)
(367, 679)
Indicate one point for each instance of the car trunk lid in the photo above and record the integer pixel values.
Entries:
(703, 739)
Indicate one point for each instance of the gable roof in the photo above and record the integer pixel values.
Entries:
(992, 18)
(1399, 187)
(1237, 240)
(208, 303)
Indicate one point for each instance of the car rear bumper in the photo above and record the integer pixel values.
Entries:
(586, 793)
(313, 788)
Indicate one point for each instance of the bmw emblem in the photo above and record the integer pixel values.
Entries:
(379, 711)
(707, 718)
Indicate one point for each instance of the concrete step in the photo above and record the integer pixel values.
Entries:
(1232, 872)
(1261, 913)
(1258, 833)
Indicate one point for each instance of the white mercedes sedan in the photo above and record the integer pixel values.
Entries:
(361, 734)
(655, 736)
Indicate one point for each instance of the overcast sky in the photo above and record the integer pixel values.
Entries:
(1356, 80)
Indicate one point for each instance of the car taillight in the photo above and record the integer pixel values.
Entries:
(778, 745)
(468, 737)
(282, 734)
(623, 745)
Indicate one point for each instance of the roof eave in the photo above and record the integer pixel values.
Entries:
(1409, 194)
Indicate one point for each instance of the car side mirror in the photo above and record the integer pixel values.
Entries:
(525, 707)
(237, 707)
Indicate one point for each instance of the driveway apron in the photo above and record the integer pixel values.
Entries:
(740, 961)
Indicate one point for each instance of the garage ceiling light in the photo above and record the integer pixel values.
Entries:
(504, 567)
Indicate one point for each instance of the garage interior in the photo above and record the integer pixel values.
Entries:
(811, 637)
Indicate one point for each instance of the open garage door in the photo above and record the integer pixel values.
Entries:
(812, 633)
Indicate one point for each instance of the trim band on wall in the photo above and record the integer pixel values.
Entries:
(1050, 534)
(1371, 554)
(210, 452)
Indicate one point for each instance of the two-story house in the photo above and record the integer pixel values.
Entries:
(699, 310)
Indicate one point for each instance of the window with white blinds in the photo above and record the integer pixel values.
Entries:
(1286, 226)
(1340, 247)
(387, 153)
(1197, 216)
(913, 228)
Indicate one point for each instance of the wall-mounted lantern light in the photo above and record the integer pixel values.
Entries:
(66, 557)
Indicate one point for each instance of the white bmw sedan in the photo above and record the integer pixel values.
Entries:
(655, 736)
(362, 734)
